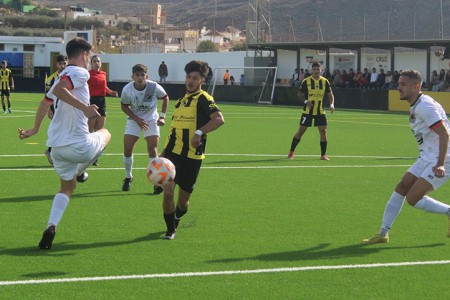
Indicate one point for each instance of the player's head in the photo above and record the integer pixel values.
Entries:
(61, 62)
(139, 74)
(96, 62)
(196, 71)
(79, 48)
(315, 69)
(409, 84)
(4, 63)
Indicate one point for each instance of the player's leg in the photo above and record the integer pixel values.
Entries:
(129, 141)
(92, 151)
(321, 123)
(152, 138)
(3, 101)
(8, 99)
(305, 122)
(169, 210)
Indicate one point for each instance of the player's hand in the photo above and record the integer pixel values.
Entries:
(196, 141)
(23, 134)
(309, 104)
(114, 93)
(439, 171)
(91, 111)
(144, 125)
(161, 122)
(332, 108)
(12, 88)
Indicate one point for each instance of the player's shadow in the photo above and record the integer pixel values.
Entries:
(20, 199)
(15, 167)
(321, 252)
(68, 248)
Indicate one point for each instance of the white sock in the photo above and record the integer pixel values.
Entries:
(392, 210)
(429, 204)
(128, 164)
(60, 203)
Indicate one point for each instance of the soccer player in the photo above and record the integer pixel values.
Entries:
(6, 85)
(61, 63)
(312, 92)
(139, 103)
(430, 126)
(195, 115)
(74, 148)
(98, 90)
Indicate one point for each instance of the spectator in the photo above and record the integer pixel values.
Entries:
(366, 78)
(394, 83)
(387, 80)
(351, 79)
(163, 72)
(437, 87)
(446, 82)
(301, 76)
(295, 81)
(381, 79)
(326, 73)
(373, 79)
(226, 77)
(242, 80)
(344, 79)
(434, 80)
(209, 76)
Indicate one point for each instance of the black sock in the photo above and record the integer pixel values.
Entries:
(323, 148)
(170, 221)
(294, 143)
(4, 108)
(179, 213)
(49, 149)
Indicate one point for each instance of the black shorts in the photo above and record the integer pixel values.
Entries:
(4, 92)
(101, 103)
(319, 120)
(187, 170)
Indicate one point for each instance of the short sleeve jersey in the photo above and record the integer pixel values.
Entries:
(5, 78)
(97, 83)
(143, 103)
(425, 114)
(191, 113)
(69, 124)
(314, 91)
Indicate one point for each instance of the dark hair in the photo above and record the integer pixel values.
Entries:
(139, 68)
(4, 62)
(61, 58)
(315, 64)
(93, 56)
(412, 74)
(77, 46)
(197, 66)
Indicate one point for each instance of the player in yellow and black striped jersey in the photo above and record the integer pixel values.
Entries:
(6, 84)
(312, 92)
(195, 115)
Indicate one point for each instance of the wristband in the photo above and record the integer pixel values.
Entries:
(199, 132)
(162, 115)
(306, 101)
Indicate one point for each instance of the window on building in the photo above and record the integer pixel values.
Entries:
(28, 48)
(2, 47)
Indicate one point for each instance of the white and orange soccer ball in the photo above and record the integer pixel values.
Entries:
(161, 171)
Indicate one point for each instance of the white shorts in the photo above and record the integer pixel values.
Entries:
(132, 128)
(67, 158)
(424, 169)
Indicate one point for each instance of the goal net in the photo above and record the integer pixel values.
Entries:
(259, 82)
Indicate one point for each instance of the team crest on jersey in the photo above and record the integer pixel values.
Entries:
(148, 95)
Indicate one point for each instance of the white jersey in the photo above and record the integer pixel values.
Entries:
(143, 103)
(425, 114)
(69, 124)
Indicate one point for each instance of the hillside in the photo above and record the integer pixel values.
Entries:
(300, 19)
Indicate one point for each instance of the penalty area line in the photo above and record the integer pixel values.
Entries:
(220, 273)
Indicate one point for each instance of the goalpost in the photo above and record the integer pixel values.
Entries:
(261, 79)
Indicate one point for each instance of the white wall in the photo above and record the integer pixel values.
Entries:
(120, 65)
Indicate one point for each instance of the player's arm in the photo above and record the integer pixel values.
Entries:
(442, 132)
(40, 115)
(216, 120)
(11, 79)
(330, 97)
(162, 116)
(62, 92)
(111, 92)
(302, 92)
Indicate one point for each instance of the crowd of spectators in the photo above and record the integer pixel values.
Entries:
(373, 79)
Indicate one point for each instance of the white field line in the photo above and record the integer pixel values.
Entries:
(220, 273)
(237, 154)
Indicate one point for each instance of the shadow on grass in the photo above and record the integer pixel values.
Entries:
(321, 252)
(62, 249)
(116, 193)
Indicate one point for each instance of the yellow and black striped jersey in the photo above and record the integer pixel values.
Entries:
(191, 113)
(51, 79)
(315, 91)
(5, 79)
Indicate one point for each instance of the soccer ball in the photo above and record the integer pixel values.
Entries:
(160, 171)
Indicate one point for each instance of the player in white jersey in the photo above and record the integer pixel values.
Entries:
(139, 103)
(430, 127)
(73, 147)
